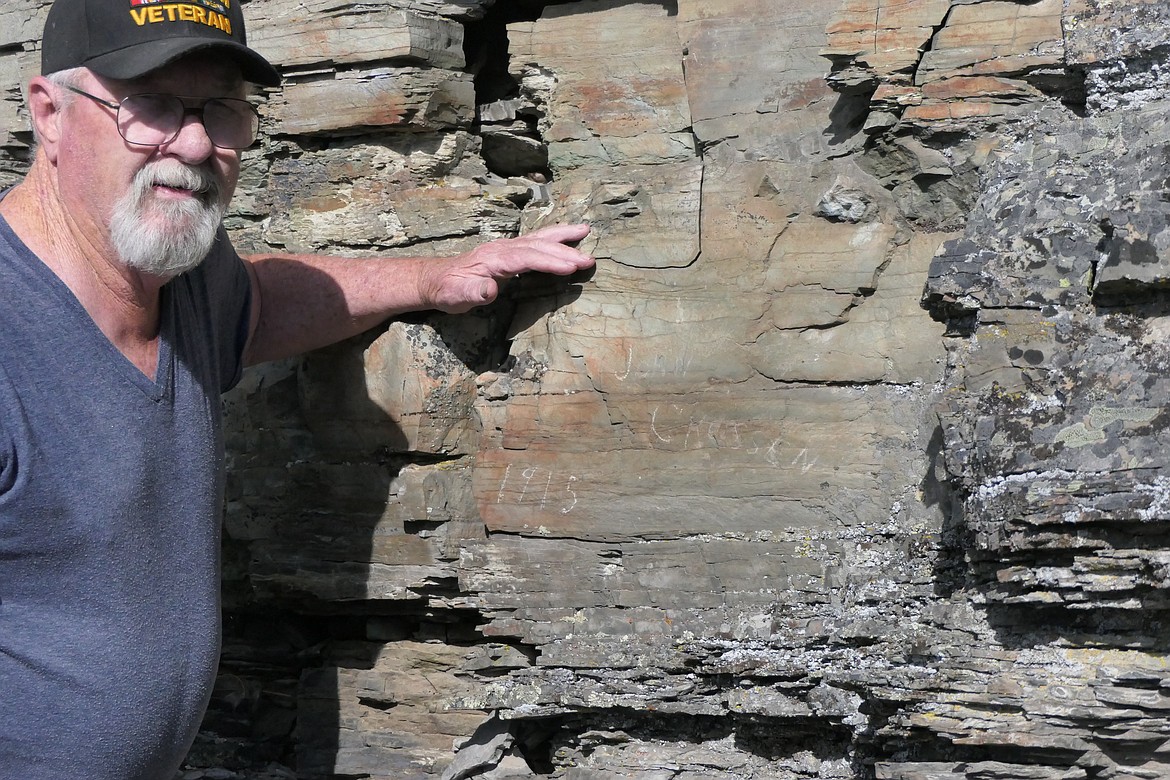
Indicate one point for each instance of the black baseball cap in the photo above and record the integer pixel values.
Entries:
(125, 39)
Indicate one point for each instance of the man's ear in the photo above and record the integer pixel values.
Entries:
(45, 102)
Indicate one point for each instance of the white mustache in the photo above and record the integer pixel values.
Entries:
(171, 173)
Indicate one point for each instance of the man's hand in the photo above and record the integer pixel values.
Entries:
(302, 302)
(459, 284)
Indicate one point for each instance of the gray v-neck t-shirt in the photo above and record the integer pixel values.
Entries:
(111, 487)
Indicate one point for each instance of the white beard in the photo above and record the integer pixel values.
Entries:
(165, 238)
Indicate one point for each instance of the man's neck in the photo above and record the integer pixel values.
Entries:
(122, 302)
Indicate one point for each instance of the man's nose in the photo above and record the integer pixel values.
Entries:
(192, 143)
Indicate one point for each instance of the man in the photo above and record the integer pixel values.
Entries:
(125, 313)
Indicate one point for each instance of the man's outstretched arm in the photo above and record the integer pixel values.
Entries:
(302, 302)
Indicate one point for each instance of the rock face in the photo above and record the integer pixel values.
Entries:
(846, 462)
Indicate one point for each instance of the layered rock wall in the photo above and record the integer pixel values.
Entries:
(846, 462)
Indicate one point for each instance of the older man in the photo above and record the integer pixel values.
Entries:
(125, 313)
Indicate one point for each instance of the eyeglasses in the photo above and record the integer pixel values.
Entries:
(155, 119)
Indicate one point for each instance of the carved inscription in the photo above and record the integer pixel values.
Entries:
(702, 432)
(538, 487)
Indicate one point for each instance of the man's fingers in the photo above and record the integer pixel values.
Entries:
(547, 250)
(561, 233)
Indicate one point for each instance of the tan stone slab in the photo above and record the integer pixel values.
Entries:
(423, 388)
(318, 204)
(897, 94)
(836, 256)
(554, 574)
(384, 710)
(654, 343)
(970, 87)
(748, 205)
(886, 36)
(627, 81)
(643, 216)
(418, 98)
(881, 336)
(958, 111)
(648, 149)
(811, 307)
(312, 32)
(996, 37)
(730, 94)
(708, 462)
(405, 392)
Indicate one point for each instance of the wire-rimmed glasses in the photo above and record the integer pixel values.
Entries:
(153, 119)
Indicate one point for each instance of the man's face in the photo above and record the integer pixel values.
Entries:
(159, 206)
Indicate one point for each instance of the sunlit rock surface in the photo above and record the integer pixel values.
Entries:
(848, 461)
